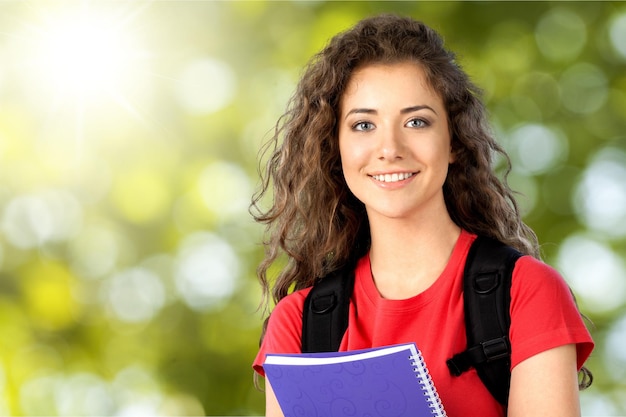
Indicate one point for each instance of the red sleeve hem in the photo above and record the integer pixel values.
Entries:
(560, 337)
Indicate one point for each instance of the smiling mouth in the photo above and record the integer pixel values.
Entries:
(393, 177)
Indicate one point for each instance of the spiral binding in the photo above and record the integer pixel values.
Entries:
(428, 388)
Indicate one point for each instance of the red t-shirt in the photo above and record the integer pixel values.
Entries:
(543, 316)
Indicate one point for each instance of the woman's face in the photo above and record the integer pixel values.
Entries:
(394, 141)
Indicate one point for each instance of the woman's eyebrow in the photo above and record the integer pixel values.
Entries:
(361, 110)
(416, 108)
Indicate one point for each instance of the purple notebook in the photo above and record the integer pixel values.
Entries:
(386, 381)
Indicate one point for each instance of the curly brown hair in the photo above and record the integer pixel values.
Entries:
(315, 222)
(314, 219)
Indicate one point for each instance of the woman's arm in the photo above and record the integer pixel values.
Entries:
(272, 409)
(546, 384)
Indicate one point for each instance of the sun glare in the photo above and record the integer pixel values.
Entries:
(85, 55)
(80, 65)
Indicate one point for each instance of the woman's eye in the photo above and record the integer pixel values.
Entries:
(363, 126)
(417, 123)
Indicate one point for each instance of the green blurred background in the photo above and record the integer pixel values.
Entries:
(129, 134)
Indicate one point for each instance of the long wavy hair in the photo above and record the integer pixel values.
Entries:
(314, 223)
(314, 219)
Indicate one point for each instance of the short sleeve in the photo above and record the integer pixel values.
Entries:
(544, 314)
(284, 329)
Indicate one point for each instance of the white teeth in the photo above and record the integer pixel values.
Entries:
(393, 177)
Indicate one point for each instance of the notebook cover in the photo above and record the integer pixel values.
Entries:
(387, 381)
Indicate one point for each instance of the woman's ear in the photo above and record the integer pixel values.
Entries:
(452, 156)
(453, 149)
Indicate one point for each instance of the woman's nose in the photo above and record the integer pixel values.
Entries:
(391, 145)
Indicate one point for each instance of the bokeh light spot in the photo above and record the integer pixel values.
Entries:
(37, 396)
(206, 86)
(135, 295)
(598, 404)
(207, 271)
(31, 220)
(48, 288)
(132, 380)
(94, 251)
(537, 148)
(615, 342)
(561, 34)
(600, 198)
(584, 88)
(595, 272)
(84, 394)
(225, 189)
(617, 34)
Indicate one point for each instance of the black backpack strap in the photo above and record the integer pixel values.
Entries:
(487, 300)
(325, 313)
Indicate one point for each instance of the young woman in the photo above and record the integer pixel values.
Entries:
(384, 156)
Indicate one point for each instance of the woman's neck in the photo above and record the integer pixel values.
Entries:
(408, 255)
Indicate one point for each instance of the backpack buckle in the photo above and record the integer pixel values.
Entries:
(495, 349)
(324, 303)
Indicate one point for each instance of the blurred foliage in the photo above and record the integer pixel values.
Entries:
(129, 134)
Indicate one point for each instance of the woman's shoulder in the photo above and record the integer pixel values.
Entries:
(291, 306)
(535, 278)
(284, 328)
(531, 269)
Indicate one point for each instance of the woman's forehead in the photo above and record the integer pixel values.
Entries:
(380, 83)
